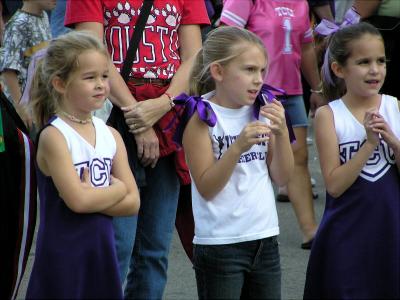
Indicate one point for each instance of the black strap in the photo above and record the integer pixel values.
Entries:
(135, 39)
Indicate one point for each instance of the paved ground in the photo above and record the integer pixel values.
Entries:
(181, 282)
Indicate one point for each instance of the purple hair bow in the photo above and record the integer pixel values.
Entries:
(326, 27)
(191, 104)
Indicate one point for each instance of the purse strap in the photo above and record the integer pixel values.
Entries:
(135, 39)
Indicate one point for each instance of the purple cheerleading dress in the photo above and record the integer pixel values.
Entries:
(75, 256)
(356, 251)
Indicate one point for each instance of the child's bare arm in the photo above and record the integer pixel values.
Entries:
(55, 160)
(211, 175)
(129, 205)
(338, 178)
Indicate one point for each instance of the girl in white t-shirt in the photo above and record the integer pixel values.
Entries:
(232, 163)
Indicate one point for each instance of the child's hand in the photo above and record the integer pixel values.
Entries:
(253, 133)
(369, 120)
(276, 114)
(380, 127)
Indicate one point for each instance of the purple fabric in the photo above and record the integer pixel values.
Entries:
(356, 251)
(31, 72)
(191, 104)
(326, 27)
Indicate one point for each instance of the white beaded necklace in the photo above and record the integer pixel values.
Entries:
(75, 119)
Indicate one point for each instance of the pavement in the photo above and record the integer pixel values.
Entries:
(181, 283)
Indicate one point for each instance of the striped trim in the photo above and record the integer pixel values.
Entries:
(234, 18)
(308, 33)
(28, 222)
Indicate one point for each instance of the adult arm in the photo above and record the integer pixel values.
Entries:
(54, 160)
(323, 11)
(10, 78)
(366, 8)
(146, 113)
(338, 178)
(309, 69)
(129, 205)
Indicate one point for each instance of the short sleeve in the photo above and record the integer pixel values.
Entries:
(78, 11)
(194, 12)
(236, 12)
(12, 55)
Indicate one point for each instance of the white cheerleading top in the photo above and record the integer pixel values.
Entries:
(244, 210)
(351, 136)
(98, 159)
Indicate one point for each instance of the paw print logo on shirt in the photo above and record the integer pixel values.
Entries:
(153, 15)
(169, 71)
(107, 17)
(171, 15)
(150, 73)
(124, 13)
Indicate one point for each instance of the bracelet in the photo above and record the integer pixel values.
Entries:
(171, 99)
(316, 91)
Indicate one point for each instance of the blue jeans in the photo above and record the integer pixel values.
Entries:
(247, 270)
(154, 226)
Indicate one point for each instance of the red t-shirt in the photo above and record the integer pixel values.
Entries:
(158, 55)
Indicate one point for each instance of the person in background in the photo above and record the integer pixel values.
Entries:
(25, 33)
(18, 198)
(57, 19)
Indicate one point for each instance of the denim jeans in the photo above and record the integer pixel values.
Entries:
(154, 226)
(246, 270)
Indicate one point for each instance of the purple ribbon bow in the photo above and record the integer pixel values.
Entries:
(191, 104)
(326, 27)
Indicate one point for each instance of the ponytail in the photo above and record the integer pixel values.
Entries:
(42, 102)
(200, 78)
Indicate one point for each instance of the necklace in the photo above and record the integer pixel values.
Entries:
(75, 119)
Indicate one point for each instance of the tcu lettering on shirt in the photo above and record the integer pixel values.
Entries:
(377, 165)
(157, 55)
(99, 171)
(284, 12)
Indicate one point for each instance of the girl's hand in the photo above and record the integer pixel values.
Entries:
(253, 133)
(369, 117)
(276, 114)
(380, 127)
